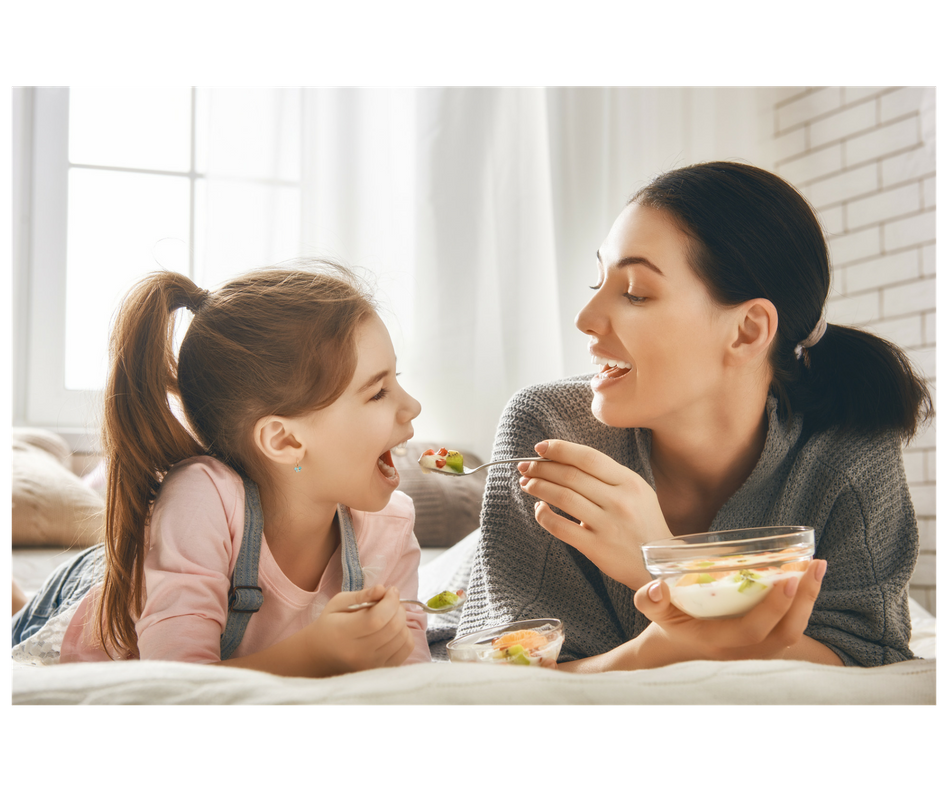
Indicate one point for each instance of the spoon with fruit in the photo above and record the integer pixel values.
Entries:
(444, 602)
(451, 462)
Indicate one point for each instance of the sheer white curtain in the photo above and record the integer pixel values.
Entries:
(477, 210)
(480, 211)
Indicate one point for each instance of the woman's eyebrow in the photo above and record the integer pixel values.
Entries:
(632, 261)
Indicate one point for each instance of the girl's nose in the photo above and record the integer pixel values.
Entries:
(409, 409)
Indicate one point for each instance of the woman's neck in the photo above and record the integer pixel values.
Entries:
(700, 464)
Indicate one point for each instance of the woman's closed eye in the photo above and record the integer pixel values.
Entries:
(634, 299)
(380, 395)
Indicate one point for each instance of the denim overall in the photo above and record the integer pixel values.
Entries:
(69, 583)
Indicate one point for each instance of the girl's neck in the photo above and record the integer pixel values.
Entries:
(699, 465)
(302, 534)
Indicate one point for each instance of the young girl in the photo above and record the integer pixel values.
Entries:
(244, 538)
(723, 399)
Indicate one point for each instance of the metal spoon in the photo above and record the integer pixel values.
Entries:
(456, 606)
(467, 471)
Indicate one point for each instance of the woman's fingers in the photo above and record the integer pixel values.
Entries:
(592, 462)
(776, 623)
(562, 528)
(568, 500)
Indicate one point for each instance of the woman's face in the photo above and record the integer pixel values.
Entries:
(656, 335)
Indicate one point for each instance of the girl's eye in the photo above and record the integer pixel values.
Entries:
(634, 299)
(380, 395)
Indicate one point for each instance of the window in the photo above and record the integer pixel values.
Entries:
(127, 181)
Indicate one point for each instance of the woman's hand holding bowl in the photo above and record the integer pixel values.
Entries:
(617, 509)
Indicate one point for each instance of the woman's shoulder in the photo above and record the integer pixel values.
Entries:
(862, 459)
(561, 409)
(566, 399)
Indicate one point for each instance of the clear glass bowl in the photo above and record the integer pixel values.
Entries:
(536, 641)
(723, 574)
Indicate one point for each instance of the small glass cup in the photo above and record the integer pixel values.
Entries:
(723, 574)
(535, 641)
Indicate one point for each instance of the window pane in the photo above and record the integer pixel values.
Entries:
(249, 132)
(240, 226)
(121, 226)
(144, 128)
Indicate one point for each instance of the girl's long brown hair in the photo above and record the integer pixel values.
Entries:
(276, 341)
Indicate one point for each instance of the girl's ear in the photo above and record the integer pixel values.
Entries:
(756, 328)
(276, 438)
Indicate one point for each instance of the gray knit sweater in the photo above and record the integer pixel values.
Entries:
(851, 489)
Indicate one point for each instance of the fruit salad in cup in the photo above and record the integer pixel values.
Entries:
(723, 574)
(534, 642)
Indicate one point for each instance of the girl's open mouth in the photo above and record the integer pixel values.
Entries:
(387, 466)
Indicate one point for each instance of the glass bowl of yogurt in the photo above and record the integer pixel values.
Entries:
(536, 641)
(723, 574)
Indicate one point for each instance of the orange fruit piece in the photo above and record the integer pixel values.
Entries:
(527, 638)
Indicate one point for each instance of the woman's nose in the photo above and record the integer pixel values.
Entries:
(589, 319)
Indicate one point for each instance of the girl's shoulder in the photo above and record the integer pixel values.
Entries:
(200, 490)
(200, 475)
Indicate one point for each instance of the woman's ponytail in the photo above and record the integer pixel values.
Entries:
(142, 439)
(754, 236)
(854, 380)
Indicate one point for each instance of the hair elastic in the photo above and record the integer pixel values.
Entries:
(199, 299)
(814, 336)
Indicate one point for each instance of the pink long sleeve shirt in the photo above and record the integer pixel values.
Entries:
(195, 535)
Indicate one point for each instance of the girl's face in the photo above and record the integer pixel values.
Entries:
(656, 335)
(349, 442)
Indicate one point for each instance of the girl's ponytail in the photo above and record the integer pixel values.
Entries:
(278, 340)
(142, 438)
(752, 235)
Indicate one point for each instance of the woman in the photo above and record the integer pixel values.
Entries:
(722, 400)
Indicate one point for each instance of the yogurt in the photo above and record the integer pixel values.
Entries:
(723, 592)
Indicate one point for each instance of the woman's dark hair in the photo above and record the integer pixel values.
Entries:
(274, 341)
(754, 236)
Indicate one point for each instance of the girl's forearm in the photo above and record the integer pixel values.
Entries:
(291, 657)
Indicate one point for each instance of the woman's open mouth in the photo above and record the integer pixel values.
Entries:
(611, 369)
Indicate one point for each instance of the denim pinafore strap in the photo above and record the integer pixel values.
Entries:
(245, 595)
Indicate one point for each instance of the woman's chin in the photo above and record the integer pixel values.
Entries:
(610, 413)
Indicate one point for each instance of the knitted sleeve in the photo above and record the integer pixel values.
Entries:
(520, 571)
(871, 544)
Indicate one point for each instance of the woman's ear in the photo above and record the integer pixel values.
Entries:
(276, 439)
(756, 328)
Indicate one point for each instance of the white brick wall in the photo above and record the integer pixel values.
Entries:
(866, 158)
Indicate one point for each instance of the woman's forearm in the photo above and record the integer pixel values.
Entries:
(653, 649)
